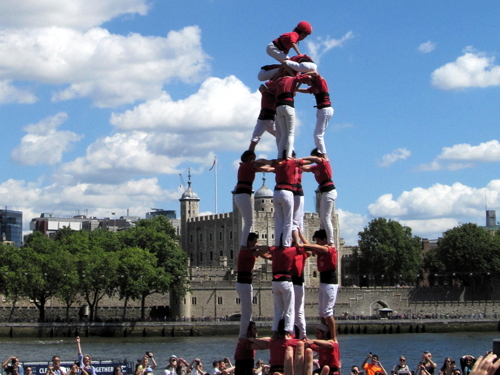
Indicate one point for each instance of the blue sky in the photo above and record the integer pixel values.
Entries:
(105, 102)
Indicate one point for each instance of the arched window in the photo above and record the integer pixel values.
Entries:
(231, 254)
(211, 255)
(201, 257)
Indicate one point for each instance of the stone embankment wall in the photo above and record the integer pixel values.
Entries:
(218, 299)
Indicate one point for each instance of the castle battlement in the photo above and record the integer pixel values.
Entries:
(226, 215)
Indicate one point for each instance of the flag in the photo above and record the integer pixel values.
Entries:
(213, 165)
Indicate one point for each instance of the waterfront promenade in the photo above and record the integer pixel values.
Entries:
(228, 328)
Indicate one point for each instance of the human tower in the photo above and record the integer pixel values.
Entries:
(291, 249)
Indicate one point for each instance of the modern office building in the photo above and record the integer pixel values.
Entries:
(11, 226)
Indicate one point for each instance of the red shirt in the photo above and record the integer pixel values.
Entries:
(328, 357)
(283, 258)
(277, 349)
(284, 42)
(244, 350)
(246, 176)
(323, 175)
(267, 106)
(285, 87)
(320, 90)
(286, 176)
(299, 263)
(246, 262)
(301, 58)
(327, 261)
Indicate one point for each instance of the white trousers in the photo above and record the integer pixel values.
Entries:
(326, 299)
(304, 67)
(325, 214)
(260, 127)
(244, 204)
(283, 217)
(275, 52)
(322, 117)
(298, 212)
(285, 121)
(284, 304)
(245, 292)
(300, 316)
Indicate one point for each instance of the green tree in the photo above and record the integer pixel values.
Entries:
(158, 237)
(140, 276)
(97, 273)
(463, 250)
(388, 252)
(12, 275)
(42, 265)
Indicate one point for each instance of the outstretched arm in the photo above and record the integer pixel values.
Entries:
(78, 345)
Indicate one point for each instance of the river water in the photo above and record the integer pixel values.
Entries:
(354, 348)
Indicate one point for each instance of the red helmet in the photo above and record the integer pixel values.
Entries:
(305, 27)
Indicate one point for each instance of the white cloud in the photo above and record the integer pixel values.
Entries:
(318, 47)
(79, 14)
(100, 199)
(438, 201)
(431, 211)
(111, 69)
(12, 94)
(44, 144)
(484, 152)
(222, 109)
(116, 158)
(389, 159)
(430, 228)
(470, 70)
(427, 47)
(464, 156)
(350, 225)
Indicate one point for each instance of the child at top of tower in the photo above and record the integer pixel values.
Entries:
(280, 46)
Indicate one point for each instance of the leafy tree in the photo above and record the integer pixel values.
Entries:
(12, 275)
(387, 250)
(158, 237)
(42, 265)
(463, 250)
(97, 272)
(70, 288)
(140, 276)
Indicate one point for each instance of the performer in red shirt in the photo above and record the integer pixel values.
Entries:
(243, 190)
(265, 121)
(284, 89)
(277, 347)
(319, 88)
(323, 174)
(244, 353)
(328, 286)
(327, 346)
(279, 47)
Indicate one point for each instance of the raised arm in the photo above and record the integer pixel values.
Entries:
(78, 345)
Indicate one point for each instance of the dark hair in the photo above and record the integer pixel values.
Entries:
(250, 326)
(252, 236)
(281, 327)
(374, 356)
(299, 31)
(246, 155)
(316, 152)
(320, 234)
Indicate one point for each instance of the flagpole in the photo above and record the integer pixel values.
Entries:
(215, 163)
